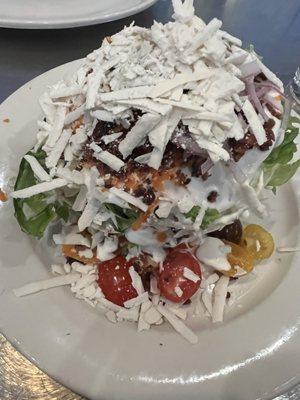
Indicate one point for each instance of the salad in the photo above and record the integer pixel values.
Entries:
(151, 161)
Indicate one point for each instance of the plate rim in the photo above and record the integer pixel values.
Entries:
(19, 23)
(279, 390)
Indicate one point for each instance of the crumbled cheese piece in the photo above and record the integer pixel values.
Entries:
(67, 268)
(74, 115)
(111, 316)
(103, 115)
(190, 275)
(140, 130)
(207, 301)
(164, 209)
(107, 158)
(39, 188)
(88, 214)
(80, 200)
(153, 285)
(57, 127)
(152, 316)
(137, 92)
(180, 79)
(142, 237)
(142, 325)
(269, 74)
(136, 280)
(61, 90)
(178, 325)
(179, 312)
(108, 304)
(254, 122)
(230, 38)
(252, 199)
(211, 28)
(157, 153)
(111, 138)
(71, 238)
(105, 251)
(57, 269)
(38, 286)
(56, 152)
(129, 198)
(128, 315)
(87, 253)
(178, 291)
(220, 293)
(183, 10)
(93, 83)
(288, 249)
(136, 301)
(37, 169)
(211, 279)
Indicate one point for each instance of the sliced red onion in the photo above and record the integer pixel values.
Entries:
(254, 99)
(250, 69)
(261, 92)
(270, 85)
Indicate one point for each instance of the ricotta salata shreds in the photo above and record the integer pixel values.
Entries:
(151, 158)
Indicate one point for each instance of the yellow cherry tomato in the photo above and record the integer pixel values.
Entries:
(258, 242)
(238, 257)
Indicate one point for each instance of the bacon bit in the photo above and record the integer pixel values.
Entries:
(144, 216)
(132, 181)
(109, 39)
(161, 236)
(6, 120)
(3, 196)
(71, 251)
(160, 177)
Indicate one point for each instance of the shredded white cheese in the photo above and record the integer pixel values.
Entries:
(39, 188)
(178, 325)
(38, 286)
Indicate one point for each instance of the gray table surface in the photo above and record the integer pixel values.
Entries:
(272, 26)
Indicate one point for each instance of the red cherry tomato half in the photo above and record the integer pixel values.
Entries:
(171, 275)
(114, 280)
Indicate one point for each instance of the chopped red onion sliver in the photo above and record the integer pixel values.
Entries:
(254, 99)
(269, 85)
(261, 92)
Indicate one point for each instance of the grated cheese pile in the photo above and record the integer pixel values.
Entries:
(156, 84)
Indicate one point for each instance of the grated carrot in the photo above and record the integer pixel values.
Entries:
(144, 216)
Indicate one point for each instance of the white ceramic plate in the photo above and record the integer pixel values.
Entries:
(254, 354)
(44, 14)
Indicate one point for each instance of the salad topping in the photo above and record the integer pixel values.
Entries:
(150, 156)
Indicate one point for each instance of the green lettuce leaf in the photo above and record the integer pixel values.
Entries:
(192, 214)
(42, 210)
(124, 217)
(277, 167)
(211, 215)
